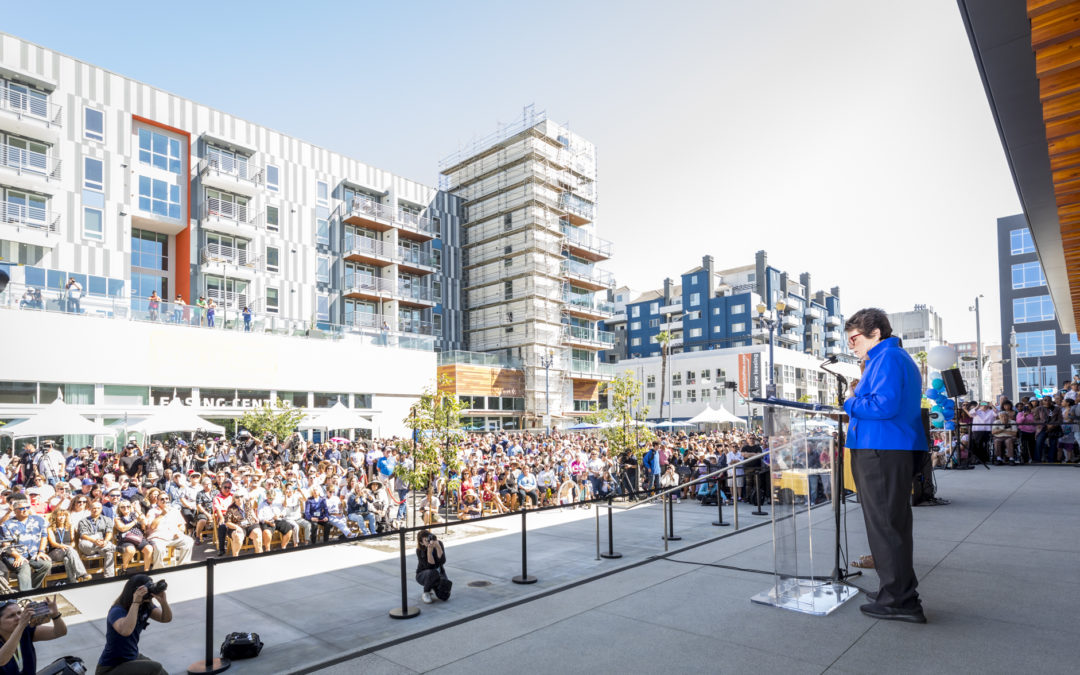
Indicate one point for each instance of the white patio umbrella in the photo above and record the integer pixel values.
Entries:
(712, 415)
(337, 417)
(174, 417)
(57, 419)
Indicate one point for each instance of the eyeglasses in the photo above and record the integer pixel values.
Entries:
(851, 339)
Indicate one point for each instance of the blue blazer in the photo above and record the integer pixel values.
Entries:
(885, 411)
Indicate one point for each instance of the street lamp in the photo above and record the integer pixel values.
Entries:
(979, 342)
(546, 361)
(768, 319)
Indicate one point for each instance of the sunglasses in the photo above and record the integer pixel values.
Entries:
(22, 508)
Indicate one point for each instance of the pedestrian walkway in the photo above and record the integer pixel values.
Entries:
(997, 569)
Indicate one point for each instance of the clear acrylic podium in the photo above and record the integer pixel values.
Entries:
(801, 471)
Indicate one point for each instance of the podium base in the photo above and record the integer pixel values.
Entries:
(610, 556)
(212, 668)
(808, 597)
(404, 613)
(521, 579)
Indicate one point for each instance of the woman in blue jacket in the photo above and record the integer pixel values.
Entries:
(884, 434)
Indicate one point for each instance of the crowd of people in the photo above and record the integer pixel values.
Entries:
(1032, 430)
(66, 515)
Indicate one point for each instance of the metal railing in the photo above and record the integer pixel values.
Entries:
(584, 240)
(366, 284)
(589, 303)
(34, 217)
(32, 105)
(364, 207)
(226, 209)
(30, 161)
(367, 246)
(415, 257)
(587, 367)
(590, 335)
(19, 296)
(574, 204)
(589, 273)
(228, 164)
(233, 255)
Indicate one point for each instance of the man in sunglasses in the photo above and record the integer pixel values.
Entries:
(26, 556)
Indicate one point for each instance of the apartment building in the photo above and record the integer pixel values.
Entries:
(529, 263)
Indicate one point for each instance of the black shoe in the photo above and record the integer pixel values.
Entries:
(870, 595)
(875, 611)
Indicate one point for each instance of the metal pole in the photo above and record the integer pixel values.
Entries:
(610, 536)
(547, 392)
(210, 665)
(978, 347)
(719, 522)
(670, 530)
(403, 612)
(772, 362)
(524, 578)
(757, 495)
(596, 512)
(663, 517)
(734, 499)
(1013, 363)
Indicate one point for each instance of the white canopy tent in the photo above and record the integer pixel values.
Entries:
(174, 417)
(57, 419)
(337, 417)
(712, 415)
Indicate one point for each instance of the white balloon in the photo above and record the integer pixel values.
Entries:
(942, 357)
(934, 375)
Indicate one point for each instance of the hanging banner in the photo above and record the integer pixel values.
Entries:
(755, 374)
(745, 363)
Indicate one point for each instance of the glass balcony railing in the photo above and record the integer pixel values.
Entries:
(588, 273)
(583, 334)
(362, 207)
(587, 367)
(587, 302)
(458, 357)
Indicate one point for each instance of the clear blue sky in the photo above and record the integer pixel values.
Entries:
(851, 139)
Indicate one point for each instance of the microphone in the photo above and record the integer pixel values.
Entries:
(831, 358)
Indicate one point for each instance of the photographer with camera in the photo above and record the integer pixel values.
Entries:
(21, 627)
(429, 567)
(128, 617)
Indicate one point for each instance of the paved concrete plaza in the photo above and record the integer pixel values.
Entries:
(998, 570)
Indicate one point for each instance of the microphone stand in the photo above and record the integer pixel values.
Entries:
(839, 574)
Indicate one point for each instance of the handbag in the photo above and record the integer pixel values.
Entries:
(134, 536)
(241, 646)
(442, 590)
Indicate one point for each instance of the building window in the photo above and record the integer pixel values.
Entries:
(159, 151)
(654, 308)
(695, 332)
(691, 377)
(322, 225)
(93, 124)
(273, 178)
(738, 309)
(93, 215)
(1036, 308)
(635, 311)
(322, 193)
(1035, 343)
(693, 281)
(149, 250)
(272, 222)
(322, 308)
(692, 316)
(695, 299)
(93, 174)
(650, 397)
(676, 379)
(635, 325)
(716, 329)
(1074, 344)
(691, 395)
(273, 258)
(322, 269)
(738, 327)
(635, 342)
(653, 340)
(650, 382)
(1034, 378)
(704, 394)
(676, 397)
(1020, 241)
(159, 197)
(271, 301)
(1027, 275)
(654, 323)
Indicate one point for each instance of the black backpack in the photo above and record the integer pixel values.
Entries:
(442, 590)
(65, 665)
(241, 646)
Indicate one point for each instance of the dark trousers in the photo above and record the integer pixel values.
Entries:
(883, 479)
(428, 578)
(1027, 446)
(629, 483)
(1045, 447)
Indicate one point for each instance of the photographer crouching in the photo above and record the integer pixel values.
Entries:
(430, 574)
(128, 617)
(21, 627)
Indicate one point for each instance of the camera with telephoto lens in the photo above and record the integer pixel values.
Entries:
(156, 587)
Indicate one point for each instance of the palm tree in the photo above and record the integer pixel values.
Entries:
(663, 339)
(920, 357)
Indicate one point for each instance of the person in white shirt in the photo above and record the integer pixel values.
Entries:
(166, 526)
(335, 505)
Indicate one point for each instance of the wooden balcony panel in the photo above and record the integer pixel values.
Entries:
(1057, 57)
(1065, 160)
(1066, 125)
(369, 222)
(1066, 144)
(1058, 84)
(414, 235)
(1065, 188)
(1038, 7)
(1055, 24)
(367, 258)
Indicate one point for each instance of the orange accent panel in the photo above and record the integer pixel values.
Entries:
(469, 380)
(586, 390)
(182, 263)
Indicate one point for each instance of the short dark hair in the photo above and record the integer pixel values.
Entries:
(865, 321)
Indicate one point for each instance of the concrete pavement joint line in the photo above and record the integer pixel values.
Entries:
(854, 642)
(349, 656)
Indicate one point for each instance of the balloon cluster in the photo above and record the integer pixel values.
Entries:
(943, 412)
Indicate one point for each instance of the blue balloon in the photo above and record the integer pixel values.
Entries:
(934, 375)
(936, 416)
(931, 393)
(948, 404)
(949, 425)
(938, 410)
(937, 424)
(937, 383)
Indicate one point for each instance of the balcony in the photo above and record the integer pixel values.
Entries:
(672, 325)
(673, 308)
(27, 112)
(833, 335)
(367, 287)
(788, 337)
(587, 276)
(414, 294)
(580, 211)
(229, 217)
(791, 320)
(585, 369)
(833, 350)
(32, 225)
(368, 251)
(215, 257)
(416, 262)
(585, 246)
(379, 322)
(833, 321)
(587, 307)
(228, 300)
(382, 217)
(235, 173)
(580, 336)
(36, 167)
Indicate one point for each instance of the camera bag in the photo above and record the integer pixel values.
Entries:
(65, 665)
(442, 591)
(241, 646)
